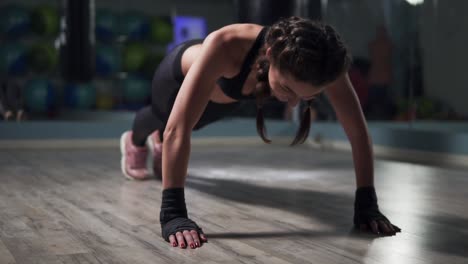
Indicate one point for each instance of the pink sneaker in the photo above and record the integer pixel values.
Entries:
(133, 158)
(155, 146)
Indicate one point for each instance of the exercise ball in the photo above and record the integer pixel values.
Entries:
(13, 59)
(80, 96)
(107, 60)
(106, 25)
(104, 94)
(426, 108)
(134, 56)
(39, 96)
(134, 26)
(136, 90)
(43, 57)
(45, 20)
(161, 30)
(14, 21)
(151, 63)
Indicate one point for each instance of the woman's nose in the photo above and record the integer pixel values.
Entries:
(292, 102)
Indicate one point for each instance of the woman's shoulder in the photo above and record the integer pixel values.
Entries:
(236, 32)
(235, 40)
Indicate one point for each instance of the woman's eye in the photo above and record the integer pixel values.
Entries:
(285, 89)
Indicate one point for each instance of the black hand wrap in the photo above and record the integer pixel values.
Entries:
(366, 208)
(173, 216)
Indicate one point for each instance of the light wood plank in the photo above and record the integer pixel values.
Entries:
(270, 204)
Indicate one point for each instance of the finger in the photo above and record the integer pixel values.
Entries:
(189, 239)
(363, 227)
(374, 227)
(396, 228)
(195, 237)
(172, 240)
(390, 226)
(384, 227)
(180, 239)
(203, 237)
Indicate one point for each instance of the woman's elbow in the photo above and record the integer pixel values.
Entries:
(174, 132)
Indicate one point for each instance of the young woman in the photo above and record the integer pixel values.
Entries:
(200, 81)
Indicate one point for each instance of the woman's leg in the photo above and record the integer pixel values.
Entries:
(144, 124)
(146, 131)
(132, 144)
(151, 118)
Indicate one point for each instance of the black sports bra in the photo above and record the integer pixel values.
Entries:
(232, 87)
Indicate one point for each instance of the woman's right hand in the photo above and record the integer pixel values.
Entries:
(191, 238)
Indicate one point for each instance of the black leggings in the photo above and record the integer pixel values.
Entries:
(165, 85)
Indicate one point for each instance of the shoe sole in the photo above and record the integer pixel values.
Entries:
(123, 159)
(150, 145)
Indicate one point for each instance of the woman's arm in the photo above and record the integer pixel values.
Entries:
(367, 215)
(189, 105)
(348, 110)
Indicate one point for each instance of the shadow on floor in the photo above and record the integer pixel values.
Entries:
(447, 234)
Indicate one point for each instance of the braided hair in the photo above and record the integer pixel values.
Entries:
(310, 51)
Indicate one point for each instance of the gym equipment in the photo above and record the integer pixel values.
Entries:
(39, 96)
(77, 44)
(136, 90)
(134, 26)
(104, 94)
(106, 25)
(134, 56)
(161, 30)
(43, 57)
(80, 96)
(14, 21)
(45, 20)
(151, 63)
(13, 59)
(107, 60)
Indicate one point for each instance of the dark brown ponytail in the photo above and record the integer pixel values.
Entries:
(304, 127)
(262, 92)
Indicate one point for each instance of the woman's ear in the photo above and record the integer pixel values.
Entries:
(268, 54)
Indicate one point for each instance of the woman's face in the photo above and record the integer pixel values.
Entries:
(289, 90)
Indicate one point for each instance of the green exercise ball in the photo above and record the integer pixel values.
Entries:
(43, 57)
(45, 20)
(134, 57)
(161, 30)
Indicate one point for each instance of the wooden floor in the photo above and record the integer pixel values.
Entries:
(268, 204)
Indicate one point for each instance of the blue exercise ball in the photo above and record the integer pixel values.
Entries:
(136, 90)
(107, 60)
(14, 21)
(13, 59)
(39, 96)
(106, 25)
(134, 26)
(80, 96)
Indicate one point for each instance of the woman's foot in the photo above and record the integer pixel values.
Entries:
(133, 160)
(155, 146)
(8, 116)
(20, 115)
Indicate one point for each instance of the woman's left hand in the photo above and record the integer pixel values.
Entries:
(371, 219)
(367, 216)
